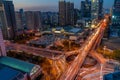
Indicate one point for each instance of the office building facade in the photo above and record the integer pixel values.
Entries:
(66, 13)
(62, 13)
(86, 9)
(96, 9)
(29, 20)
(33, 20)
(2, 45)
(3, 21)
(11, 20)
(37, 21)
(115, 28)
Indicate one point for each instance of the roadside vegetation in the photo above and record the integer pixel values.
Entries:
(109, 54)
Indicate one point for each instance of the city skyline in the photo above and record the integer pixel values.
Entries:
(44, 5)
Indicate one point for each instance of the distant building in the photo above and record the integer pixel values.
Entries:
(69, 13)
(29, 20)
(106, 11)
(10, 16)
(54, 19)
(20, 21)
(76, 15)
(96, 9)
(33, 20)
(3, 21)
(85, 13)
(19, 24)
(37, 21)
(23, 19)
(66, 13)
(72, 14)
(49, 19)
(115, 28)
(111, 10)
(86, 9)
(62, 13)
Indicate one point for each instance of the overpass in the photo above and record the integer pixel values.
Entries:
(97, 57)
(51, 54)
(91, 44)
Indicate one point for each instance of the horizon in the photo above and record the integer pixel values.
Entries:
(43, 5)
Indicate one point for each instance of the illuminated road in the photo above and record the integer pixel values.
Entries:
(73, 69)
(35, 51)
(100, 59)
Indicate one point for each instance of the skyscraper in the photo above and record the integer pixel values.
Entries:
(68, 10)
(71, 13)
(86, 9)
(66, 13)
(10, 16)
(33, 20)
(96, 9)
(23, 19)
(2, 45)
(29, 20)
(62, 13)
(3, 21)
(3, 26)
(37, 21)
(115, 29)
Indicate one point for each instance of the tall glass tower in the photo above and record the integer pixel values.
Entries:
(3, 26)
(3, 22)
(115, 28)
(96, 9)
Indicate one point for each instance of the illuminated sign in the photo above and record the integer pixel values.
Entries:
(57, 32)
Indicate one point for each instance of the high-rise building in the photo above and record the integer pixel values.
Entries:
(71, 13)
(23, 19)
(49, 19)
(20, 21)
(62, 13)
(66, 13)
(96, 9)
(10, 16)
(37, 21)
(115, 28)
(76, 15)
(2, 45)
(3, 26)
(3, 21)
(68, 10)
(33, 20)
(86, 9)
(29, 20)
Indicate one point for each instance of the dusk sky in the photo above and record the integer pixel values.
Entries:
(49, 5)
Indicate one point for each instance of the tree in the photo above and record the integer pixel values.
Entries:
(116, 54)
